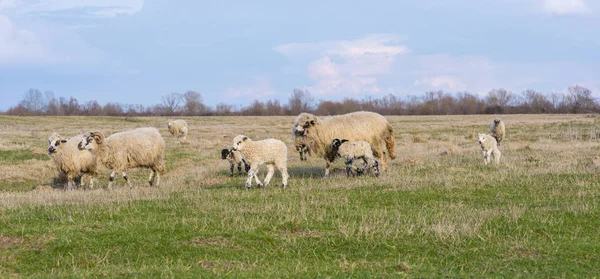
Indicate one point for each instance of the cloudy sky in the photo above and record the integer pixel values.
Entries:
(135, 51)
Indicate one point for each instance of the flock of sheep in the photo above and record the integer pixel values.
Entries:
(360, 136)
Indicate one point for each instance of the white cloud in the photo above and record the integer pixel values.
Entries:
(347, 66)
(259, 89)
(88, 8)
(17, 44)
(564, 7)
(442, 82)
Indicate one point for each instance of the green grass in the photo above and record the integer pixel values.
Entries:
(14, 156)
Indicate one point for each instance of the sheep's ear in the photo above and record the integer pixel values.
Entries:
(344, 140)
(245, 139)
(312, 122)
(63, 141)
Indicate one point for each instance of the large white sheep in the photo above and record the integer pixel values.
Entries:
(300, 144)
(353, 150)
(178, 128)
(235, 158)
(71, 161)
(489, 146)
(363, 125)
(142, 147)
(497, 130)
(272, 152)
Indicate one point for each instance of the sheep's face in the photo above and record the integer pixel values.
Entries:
(239, 142)
(53, 142)
(303, 123)
(169, 125)
(481, 138)
(336, 143)
(496, 122)
(90, 142)
(224, 153)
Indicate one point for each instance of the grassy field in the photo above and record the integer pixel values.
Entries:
(536, 215)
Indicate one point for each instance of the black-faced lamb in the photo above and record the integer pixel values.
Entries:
(234, 158)
(139, 148)
(71, 161)
(497, 130)
(353, 150)
(271, 152)
(300, 144)
(363, 125)
(489, 147)
(178, 128)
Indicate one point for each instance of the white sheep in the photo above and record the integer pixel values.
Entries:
(489, 146)
(272, 152)
(497, 130)
(70, 160)
(142, 147)
(353, 150)
(178, 128)
(234, 158)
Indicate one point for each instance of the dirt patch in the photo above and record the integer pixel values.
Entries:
(521, 252)
(7, 241)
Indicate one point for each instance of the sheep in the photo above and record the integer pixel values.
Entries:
(234, 158)
(142, 147)
(70, 160)
(497, 130)
(272, 152)
(352, 150)
(489, 146)
(300, 144)
(363, 125)
(178, 128)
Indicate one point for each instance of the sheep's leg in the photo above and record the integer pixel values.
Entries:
(349, 167)
(284, 175)
(231, 166)
(251, 173)
(82, 183)
(127, 180)
(258, 180)
(327, 165)
(239, 167)
(91, 182)
(270, 172)
(383, 159)
(151, 178)
(69, 182)
(111, 179)
(497, 156)
(375, 167)
(157, 179)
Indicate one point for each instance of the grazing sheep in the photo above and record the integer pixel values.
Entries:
(142, 147)
(178, 128)
(497, 130)
(272, 152)
(363, 125)
(489, 146)
(300, 144)
(352, 150)
(234, 158)
(70, 160)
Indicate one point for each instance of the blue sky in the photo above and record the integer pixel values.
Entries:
(135, 51)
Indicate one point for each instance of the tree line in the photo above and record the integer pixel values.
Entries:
(577, 99)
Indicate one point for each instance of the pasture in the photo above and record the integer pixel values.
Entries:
(428, 215)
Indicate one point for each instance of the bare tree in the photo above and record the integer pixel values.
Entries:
(193, 103)
(300, 101)
(33, 100)
(580, 99)
(171, 102)
(497, 100)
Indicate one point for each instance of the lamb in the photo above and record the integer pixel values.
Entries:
(363, 125)
(352, 150)
(178, 128)
(497, 130)
(272, 152)
(300, 144)
(142, 147)
(70, 160)
(234, 158)
(489, 146)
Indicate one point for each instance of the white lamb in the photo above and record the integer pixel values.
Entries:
(234, 158)
(142, 147)
(352, 150)
(178, 128)
(70, 160)
(272, 152)
(489, 146)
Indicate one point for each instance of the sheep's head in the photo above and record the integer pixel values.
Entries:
(496, 122)
(169, 124)
(304, 122)
(224, 153)
(53, 142)
(91, 141)
(239, 142)
(336, 143)
(481, 138)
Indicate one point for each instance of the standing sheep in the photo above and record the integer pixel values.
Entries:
(234, 158)
(70, 160)
(300, 144)
(178, 128)
(272, 152)
(497, 130)
(352, 150)
(363, 125)
(142, 147)
(489, 146)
